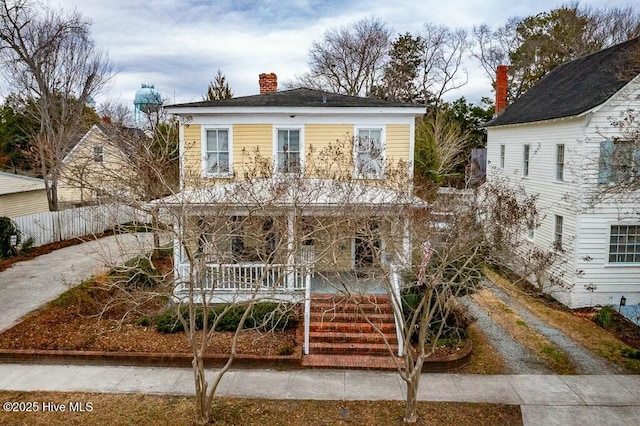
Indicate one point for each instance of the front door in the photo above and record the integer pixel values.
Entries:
(366, 247)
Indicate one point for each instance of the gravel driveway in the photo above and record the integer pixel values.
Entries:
(518, 358)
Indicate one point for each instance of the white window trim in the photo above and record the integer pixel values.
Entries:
(203, 149)
(383, 145)
(526, 161)
(564, 154)
(530, 234)
(503, 151)
(274, 137)
(98, 153)
(556, 246)
(608, 249)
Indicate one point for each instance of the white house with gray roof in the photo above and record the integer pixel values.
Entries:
(558, 141)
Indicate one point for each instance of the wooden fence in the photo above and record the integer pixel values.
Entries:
(50, 227)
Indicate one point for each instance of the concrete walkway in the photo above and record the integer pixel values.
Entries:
(544, 399)
(27, 285)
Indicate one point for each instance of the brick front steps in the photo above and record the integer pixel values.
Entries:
(341, 337)
(357, 333)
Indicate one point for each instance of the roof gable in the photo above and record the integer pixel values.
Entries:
(301, 97)
(576, 87)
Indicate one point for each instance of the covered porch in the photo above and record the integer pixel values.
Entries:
(277, 239)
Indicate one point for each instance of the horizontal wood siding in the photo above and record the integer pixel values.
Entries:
(251, 137)
(318, 139)
(192, 151)
(398, 142)
(23, 203)
(554, 197)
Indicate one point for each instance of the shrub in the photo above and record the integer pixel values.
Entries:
(456, 321)
(7, 229)
(604, 317)
(137, 273)
(28, 244)
(631, 353)
(264, 316)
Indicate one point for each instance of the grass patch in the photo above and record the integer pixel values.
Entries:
(579, 329)
(485, 359)
(522, 323)
(173, 410)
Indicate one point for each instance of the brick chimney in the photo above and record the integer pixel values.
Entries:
(268, 83)
(501, 88)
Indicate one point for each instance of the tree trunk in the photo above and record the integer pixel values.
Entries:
(156, 234)
(202, 406)
(411, 407)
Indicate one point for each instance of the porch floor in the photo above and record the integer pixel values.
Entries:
(350, 281)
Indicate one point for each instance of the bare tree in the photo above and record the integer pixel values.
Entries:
(424, 68)
(442, 69)
(50, 58)
(535, 45)
(348, 60)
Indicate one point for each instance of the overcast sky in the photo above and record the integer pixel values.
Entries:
(178, 45)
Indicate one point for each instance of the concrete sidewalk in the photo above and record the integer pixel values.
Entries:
(544, 399)
(27, 285)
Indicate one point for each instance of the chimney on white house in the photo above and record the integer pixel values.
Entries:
(268, 83)
(501, 88)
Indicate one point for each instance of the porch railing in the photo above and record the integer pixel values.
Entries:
(243, 276)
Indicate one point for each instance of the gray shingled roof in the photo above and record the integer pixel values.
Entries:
(576, 86)
(297, 98)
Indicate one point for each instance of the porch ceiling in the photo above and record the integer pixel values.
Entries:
(293, 192)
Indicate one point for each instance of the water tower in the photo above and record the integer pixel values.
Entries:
(147, 101)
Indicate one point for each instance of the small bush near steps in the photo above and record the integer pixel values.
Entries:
(264, 316)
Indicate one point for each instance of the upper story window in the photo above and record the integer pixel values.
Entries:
(288, 150)
(369, 153)
(502, 152)
(624, 244)
(217, 151)
(619, 162)
(560, 162)
(525, 160)
(98, 153)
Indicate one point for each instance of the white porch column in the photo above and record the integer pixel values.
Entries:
(290, 254)
(406, 243)
(178, 251)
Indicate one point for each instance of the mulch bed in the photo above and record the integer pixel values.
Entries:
(78, 320)
(621, 327)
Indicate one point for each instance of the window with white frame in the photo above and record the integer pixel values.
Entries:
(217, 152)
(560, 162)
(288, 150)
(369, 153)
(619, 161)
(525, 160)
(557, 234)
(502, 151)
(624, 244)
(98, 153)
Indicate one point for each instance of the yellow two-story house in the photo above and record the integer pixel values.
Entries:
(292, 191)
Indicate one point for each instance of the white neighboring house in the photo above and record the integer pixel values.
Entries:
(558, 141)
